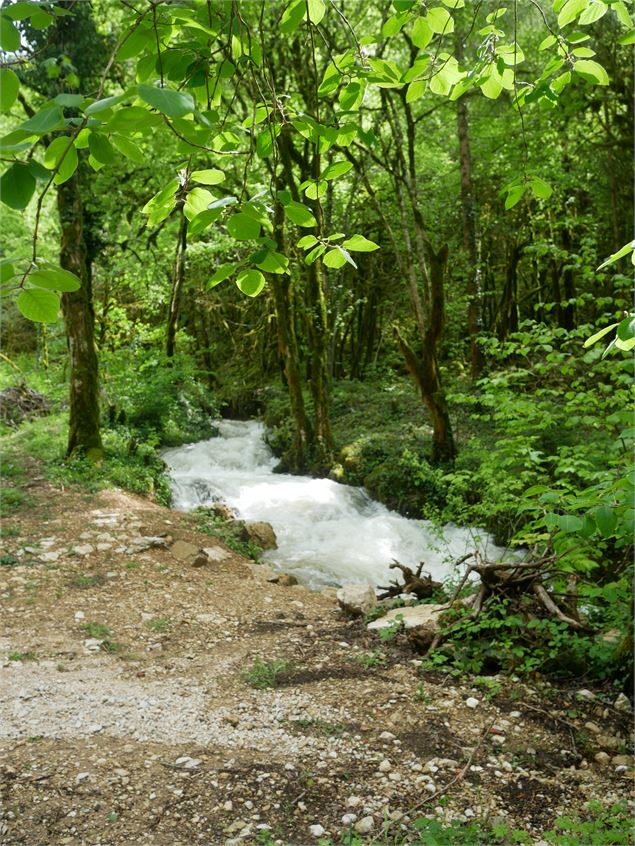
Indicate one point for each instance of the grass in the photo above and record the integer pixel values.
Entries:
(12, 500)
(159, 624)
(314, 725)
(97, 630)
(265, 674)
(10, 531)
(227, 532)
(82, 581)
(21, 656)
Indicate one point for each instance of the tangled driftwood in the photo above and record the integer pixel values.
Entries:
(413, 583)
(20, 403)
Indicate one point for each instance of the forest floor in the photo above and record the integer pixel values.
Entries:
(126, 717)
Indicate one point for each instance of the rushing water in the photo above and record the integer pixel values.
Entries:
(327, 533)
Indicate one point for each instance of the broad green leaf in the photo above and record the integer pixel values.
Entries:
(55, 278)
(265, 140)
(334, 258)
(359, 244)
(41, 19)
(622, 14)
(101, 105)
(222, 273)
(197, 201)
(203, 220)
(46, 120)
(172, 103)
(422, 33)
(492, 86)
(17, 185)
(250, 282)
(440, 21)
(336, 169)
(590, 341)
(569, 523)
(316, 10)
(416, 89)
(128, 148)
(9, 36)
(38, 305)
(315, 190)
(160, 206)
(591, 71)
(626, 329)
(593, 12)
(299, 214)
(9, 87)
(212, 176)
(351, 96)
(7, 271)
(273, 262)
(140, 39)
(293, 16)
(69, 101)
(243, 227)
(307, 241)
(540, 187)
(514, 196)
(570, 11)
(315, 253)
(133, 119)
(623, 251)
(626, 346)
(606, 518)
(61, 154)
(394, 24)
(101, 148)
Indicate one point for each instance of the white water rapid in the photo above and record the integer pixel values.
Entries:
(327, 533)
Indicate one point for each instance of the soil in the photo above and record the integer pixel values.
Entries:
(127, 717)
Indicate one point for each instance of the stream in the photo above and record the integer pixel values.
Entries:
(328, 533)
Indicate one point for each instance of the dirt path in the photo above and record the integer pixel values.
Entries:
(125, 716)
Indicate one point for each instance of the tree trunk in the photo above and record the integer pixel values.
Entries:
(178, 277)
(470, 239)
(84, 431)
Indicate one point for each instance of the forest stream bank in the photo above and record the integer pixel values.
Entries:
(129, 712)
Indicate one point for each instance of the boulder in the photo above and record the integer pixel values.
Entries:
(356, 600)
(413, 617)
(262, 534)
(189, 554)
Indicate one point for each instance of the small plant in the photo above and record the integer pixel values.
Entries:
(265, 674)
(390, 632)
(421, 694)
(10, 531)
(320, 727)
(159, 624)
(84, 581)
(97, 630)
(600, 826)
(8, 560)
(12, 500)
(132, 565)
(21, 656)
(492, 686)
(111, 646)
(376, 658)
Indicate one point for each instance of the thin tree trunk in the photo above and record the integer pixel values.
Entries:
(84, 429)
(178, 277)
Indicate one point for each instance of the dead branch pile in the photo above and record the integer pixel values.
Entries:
(413, 583)
(21, 403)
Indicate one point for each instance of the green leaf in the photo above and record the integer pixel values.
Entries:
(101, 148)
(7, 271)
(203, 220)
(250, 282)
(307, 241)
(55, 278)
(593, 12)
(222, 273)
(9, 87)
(172, 103)
(422, 33)
(39, 305)
(198, 200)
(334, 258)
(69, 101)
(46, 120)
(61, 154)
(9, 36)
(440, 21)
(128, 148)
(359, 244)
(540, 187)
(623, 251)
(626, 329)
(493, 86)
(41, 20)
(514, 195)
(160, 206)
(273, 262)
(212, 176)
(416, 89)
(243, 227)
(101, 105)
(570, 11)
(592, 71)
(336, 169)
(622, 14)
(590, 341)
(299, 214)
(316, 10)
(315, 253)
(17, 185)
(569, 523)
(293, 16)
(606, 518)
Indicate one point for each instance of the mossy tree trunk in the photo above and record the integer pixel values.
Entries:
(84, 430)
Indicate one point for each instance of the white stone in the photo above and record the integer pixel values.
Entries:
(415, 617)
(356, 600)
(623, 703)
(471, 702)
(81, 777)
(349, 819)
(353, 802)
(84, 549)
(385, 766)
(79, 615)
(365, 825)
(586, 695)
(187, 763)
(316, 830)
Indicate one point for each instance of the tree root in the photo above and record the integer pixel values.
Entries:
(413, 583)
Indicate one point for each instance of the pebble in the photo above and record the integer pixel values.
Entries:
(385, 766)
(365, 825)
(622, 703)
(587, 695)
(316, 830)
(601, 759)
(187, 763)
(593, 727)
(349, 819)
(471, 702)
(353, 802)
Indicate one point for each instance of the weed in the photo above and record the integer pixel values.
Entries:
(97, 630)
(132, 565)
(8, 560)
(265, 674)
(159, 624)
(21, 656)
(376, 658)
(10, 531)
(83, 581)
(390, 632)
(421, 694)
(12, 500)
(111, 646)
(320, 727)
(228, 532)
(492, 686)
